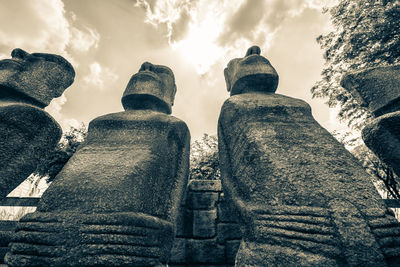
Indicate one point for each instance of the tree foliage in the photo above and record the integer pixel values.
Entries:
(379, 170)
(204, 162)
(67, 146)
(366, 33)
(384, 175)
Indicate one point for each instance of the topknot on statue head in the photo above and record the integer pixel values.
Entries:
(252, 73)
(153, 87)
(34, 78)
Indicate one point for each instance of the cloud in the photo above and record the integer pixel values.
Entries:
(206, 32)
(83, 40)
(180, 27)
(54, 109)
(42, 26)
(99, 75)
(242, 23)
(174, 14)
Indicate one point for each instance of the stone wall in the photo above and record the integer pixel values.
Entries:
(207, 232)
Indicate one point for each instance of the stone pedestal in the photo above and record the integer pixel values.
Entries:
(28, 82)
(115, 203)
(303, 199)
(379, 90)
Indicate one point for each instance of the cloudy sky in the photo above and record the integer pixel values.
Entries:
(107, 41)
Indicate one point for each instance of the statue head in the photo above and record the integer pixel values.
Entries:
(34, 78)
(153, 87)
(252, 73)
(377, 88)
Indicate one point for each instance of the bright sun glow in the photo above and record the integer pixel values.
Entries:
(207, 19)
(199, 46)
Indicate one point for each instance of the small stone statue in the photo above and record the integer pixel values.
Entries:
(303, 199)
(28, 82)
(115, 202)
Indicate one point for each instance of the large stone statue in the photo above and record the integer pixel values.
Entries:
(28, 82)
(115, 202)
(379, 90)
(303, 199)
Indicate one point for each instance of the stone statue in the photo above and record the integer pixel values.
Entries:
(115, 202)
(28, 82)
(303, 199)
(379, 89)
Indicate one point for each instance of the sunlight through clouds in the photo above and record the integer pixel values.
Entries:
(205, 24)
(200, 46)
(106, 41)
(211, 31)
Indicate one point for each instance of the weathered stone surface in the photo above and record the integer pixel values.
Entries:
(202, 200)
(34, 78)
(28, 82)
(379, 89)
(204, 251)
(204, 223)
(178, 251)
(226, 213)
(27, 135)
(231, 249)
(131, 175)
(196, 252)
(205, 185)
(382, 136)
(184, 224)
(5, 238)
(146, 88)
(252, 70)
(302, 197)
(228, 231)
(376, 88)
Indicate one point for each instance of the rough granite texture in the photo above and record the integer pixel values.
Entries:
(115, 203)
(376, 88)
(36, 78)
(302, 198)
(208, 233)
(382, 136)
(200, 196)
(28, 82)
(27, 135)
(253, 70)
(379, 89)
(131, 173)
(6, 232)
(147, 88)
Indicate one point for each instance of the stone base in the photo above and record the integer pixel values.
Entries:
(73, 239)
(339, 235)
(287, 236)
(261, 254)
